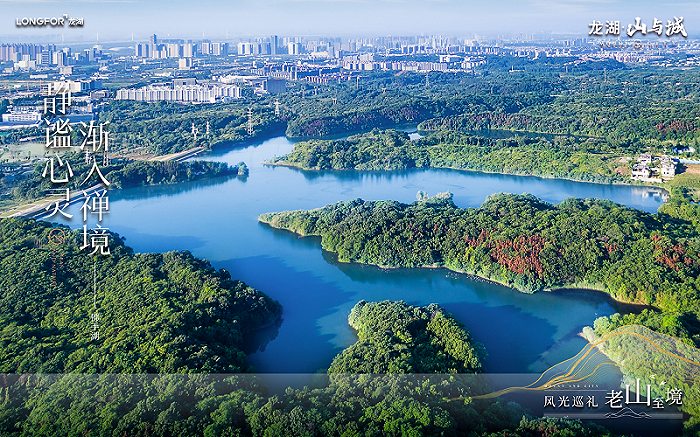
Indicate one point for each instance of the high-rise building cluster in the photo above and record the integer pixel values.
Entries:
(177, 48)
(35, 55)
(271, 46)
(321, 48)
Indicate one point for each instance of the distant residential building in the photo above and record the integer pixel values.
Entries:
(187, 93)
(73, 86)
(470, 64)
(45, 58)
(683, 149)
(260, 48)
(645, 158)
(60, 59)
(16, 52)
(25, 63)
(219, 49)
(174, 50)
(153, 44)
(184, 81)
(235, 79)
(274, 44)
(668, 169)
(159, 51)
(294, 48)
(99, 95)
(275, 86)
(184, 63)
(142, 50)
(189, 50)
(214, 48)
(245, 48)
(355, 63)
(640, 171)
(288, 75)
(21, 116)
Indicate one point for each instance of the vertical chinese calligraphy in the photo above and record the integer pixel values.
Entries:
(95, 143)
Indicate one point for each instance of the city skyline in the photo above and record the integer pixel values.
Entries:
(126, 20)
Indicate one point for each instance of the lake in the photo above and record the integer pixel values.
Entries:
(217, 220)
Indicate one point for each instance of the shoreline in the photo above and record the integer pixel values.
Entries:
(476, 277)
(37, 207)
(234, 144)
(341, 135)
(647, 185)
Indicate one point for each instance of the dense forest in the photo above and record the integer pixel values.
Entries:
(397, 338)
(563, 157)
(364, 110)
(175, 315)
(163, 313)
(628, 108)
(588, 114)
(520, 241)
(581, 126)
(549, 117)
(164, 128)
(661, 360)
(523, 242)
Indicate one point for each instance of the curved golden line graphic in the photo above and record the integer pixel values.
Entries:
(574, 372)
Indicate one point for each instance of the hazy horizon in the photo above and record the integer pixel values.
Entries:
(118, 20)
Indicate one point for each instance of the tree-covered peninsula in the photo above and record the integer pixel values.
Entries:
(520, 241)
(158, 313)
(371, 389)
(562, 157)
(398, 338)
(120, 174)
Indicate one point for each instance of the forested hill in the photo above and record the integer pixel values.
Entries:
(370, 391)
(520, 241)
(398, 338)
(158, 313)
(166, 127)
(563, 157)
(393, 337)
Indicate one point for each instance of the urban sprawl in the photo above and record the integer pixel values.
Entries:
(206, 71)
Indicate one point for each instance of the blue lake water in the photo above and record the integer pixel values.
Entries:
(217, 220)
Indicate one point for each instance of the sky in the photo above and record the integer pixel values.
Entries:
(119, 20)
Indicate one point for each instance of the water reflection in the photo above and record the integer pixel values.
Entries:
(472, 187)
(217, 220)
(256, 341)
(521, 331)
(169, 190)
